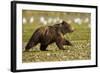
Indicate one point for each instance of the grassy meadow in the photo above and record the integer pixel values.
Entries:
(80, 38)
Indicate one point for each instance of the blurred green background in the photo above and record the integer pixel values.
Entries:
(80, 38)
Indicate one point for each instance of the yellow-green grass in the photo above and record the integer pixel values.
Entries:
(81, 49)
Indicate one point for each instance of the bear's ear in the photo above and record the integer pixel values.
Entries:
(63, 22)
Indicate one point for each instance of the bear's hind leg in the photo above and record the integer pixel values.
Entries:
(30, 45)
(43, 47)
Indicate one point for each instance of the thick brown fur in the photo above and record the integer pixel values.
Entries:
(50, 34)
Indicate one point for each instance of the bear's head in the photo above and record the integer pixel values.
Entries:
(66, 27)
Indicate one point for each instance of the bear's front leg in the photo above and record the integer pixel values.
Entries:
(60, 45)
(66, 42)
(60, 42)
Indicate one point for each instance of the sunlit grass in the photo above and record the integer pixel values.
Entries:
(81, 49)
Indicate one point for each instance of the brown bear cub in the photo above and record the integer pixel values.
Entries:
(50, 34)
